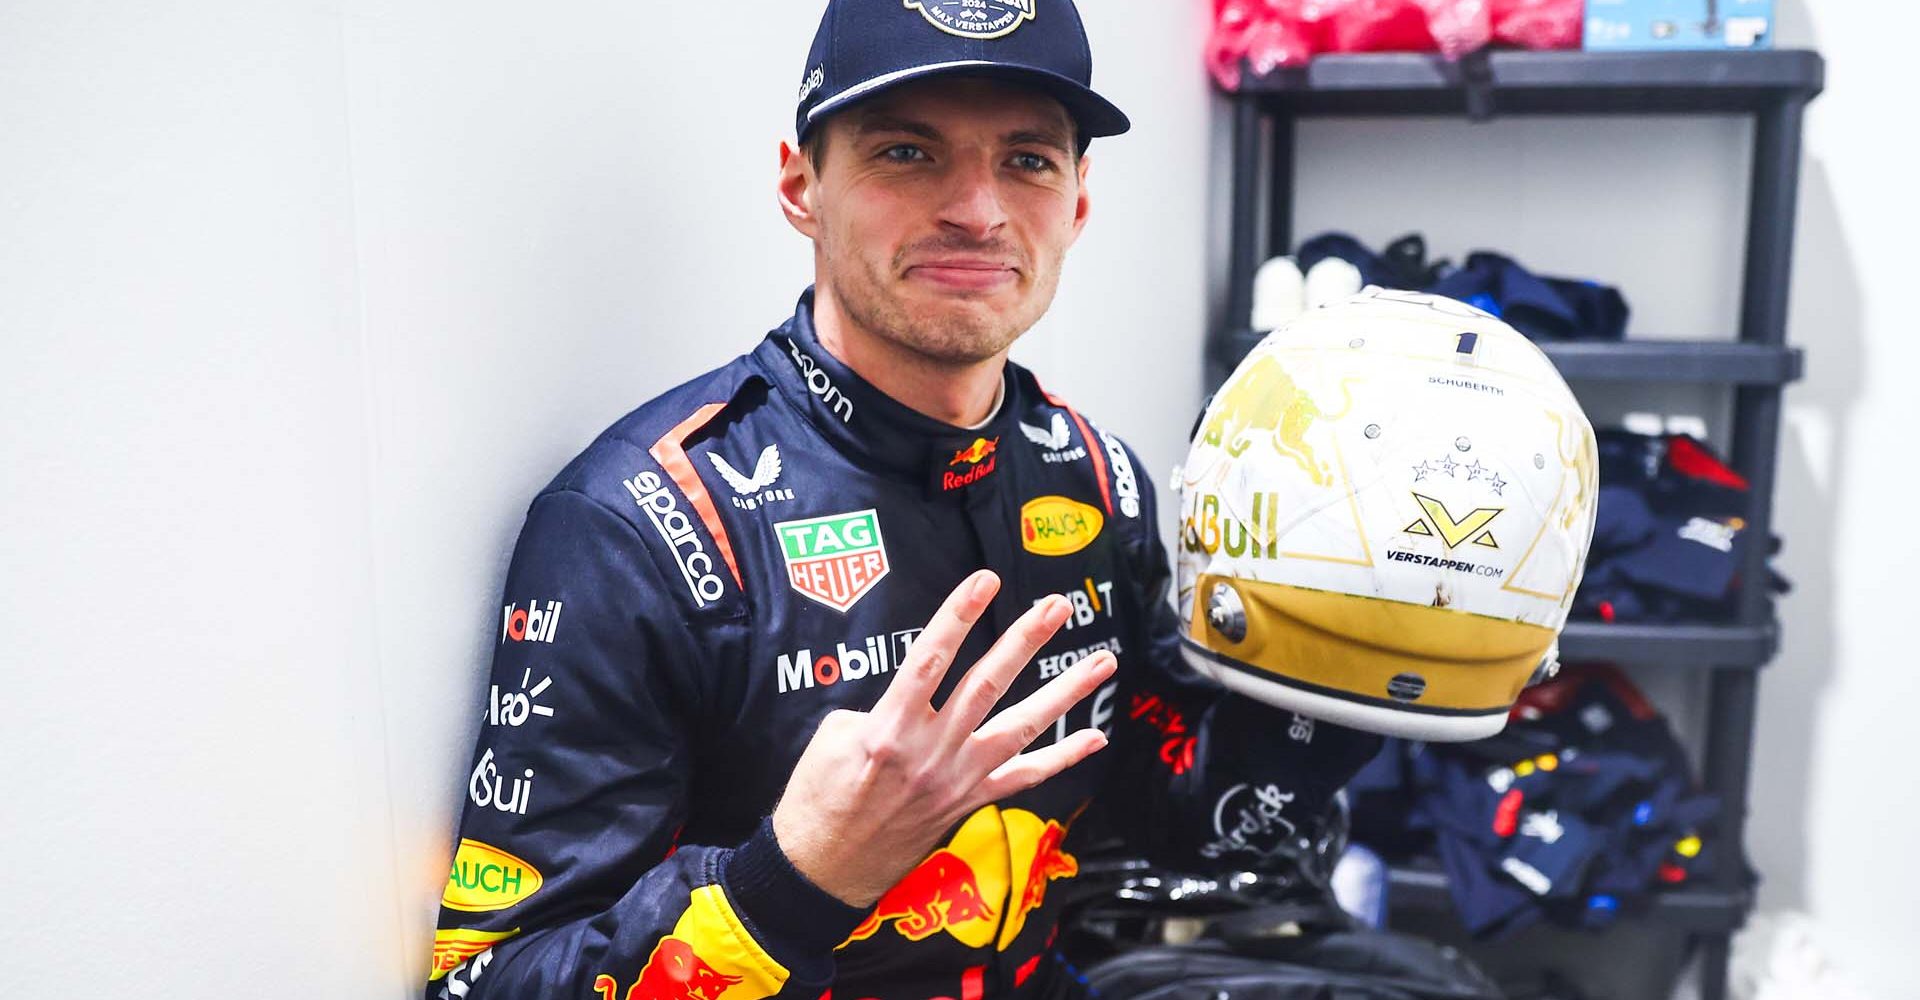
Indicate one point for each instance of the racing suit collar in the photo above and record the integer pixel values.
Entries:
(876, 430)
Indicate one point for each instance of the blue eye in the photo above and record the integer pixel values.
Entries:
(1033, 162)
(903, 153)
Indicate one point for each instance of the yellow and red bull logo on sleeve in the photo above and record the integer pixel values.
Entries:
(709, 956)
(673, 972)
(997, 865)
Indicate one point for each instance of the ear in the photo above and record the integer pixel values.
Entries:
(798, 191)
(1082, 202)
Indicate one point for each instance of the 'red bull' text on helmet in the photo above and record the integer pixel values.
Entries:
(1386, 510)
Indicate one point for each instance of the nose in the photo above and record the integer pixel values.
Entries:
(973, 204)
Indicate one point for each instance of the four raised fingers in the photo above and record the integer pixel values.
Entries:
(1033, 767)
(933, 651)
(987, 680)
(1019, 724)
(992, 751)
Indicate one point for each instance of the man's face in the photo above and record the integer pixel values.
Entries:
(942, 212)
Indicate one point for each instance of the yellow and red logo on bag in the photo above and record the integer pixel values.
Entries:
(452, 946)
(1057, 526)
(485, 878)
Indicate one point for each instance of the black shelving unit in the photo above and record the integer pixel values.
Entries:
(1774, 88)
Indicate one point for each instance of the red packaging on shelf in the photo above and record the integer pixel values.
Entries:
(1538, 24)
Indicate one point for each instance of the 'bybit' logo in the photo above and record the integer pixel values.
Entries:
(530, 625)
(1436, 521)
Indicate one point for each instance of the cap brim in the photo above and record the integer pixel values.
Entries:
(1095, 115)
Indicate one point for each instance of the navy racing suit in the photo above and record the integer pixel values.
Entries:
(759, 547)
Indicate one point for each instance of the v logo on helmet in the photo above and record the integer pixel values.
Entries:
(1440, 521)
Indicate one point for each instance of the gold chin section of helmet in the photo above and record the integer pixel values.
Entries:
(1368, 649)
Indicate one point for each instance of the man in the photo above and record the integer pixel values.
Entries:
(742, 735)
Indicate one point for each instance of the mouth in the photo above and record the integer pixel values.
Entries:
(963, 274)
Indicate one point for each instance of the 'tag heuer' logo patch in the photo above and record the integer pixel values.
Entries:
(836, 559)
(975, 18)
(1057, 526)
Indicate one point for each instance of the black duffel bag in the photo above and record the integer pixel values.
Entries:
(1292, 951)
(1272, 935)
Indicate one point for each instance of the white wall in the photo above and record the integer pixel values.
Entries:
(301, 302)
(195, 800)
(1833, 828)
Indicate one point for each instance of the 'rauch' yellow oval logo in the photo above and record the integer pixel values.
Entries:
(487, 878)
(1057, 526)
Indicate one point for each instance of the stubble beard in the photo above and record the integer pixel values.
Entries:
(959, 337)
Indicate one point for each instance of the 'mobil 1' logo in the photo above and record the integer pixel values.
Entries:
(975, 18)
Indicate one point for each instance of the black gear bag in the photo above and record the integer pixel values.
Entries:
(1291, 951)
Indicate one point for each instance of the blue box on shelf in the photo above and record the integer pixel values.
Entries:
(1638, 25)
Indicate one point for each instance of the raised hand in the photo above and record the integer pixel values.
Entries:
(874, 791)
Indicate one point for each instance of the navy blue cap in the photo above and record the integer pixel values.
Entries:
(866, 46)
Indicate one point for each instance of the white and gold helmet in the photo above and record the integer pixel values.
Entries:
(1384, 515)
